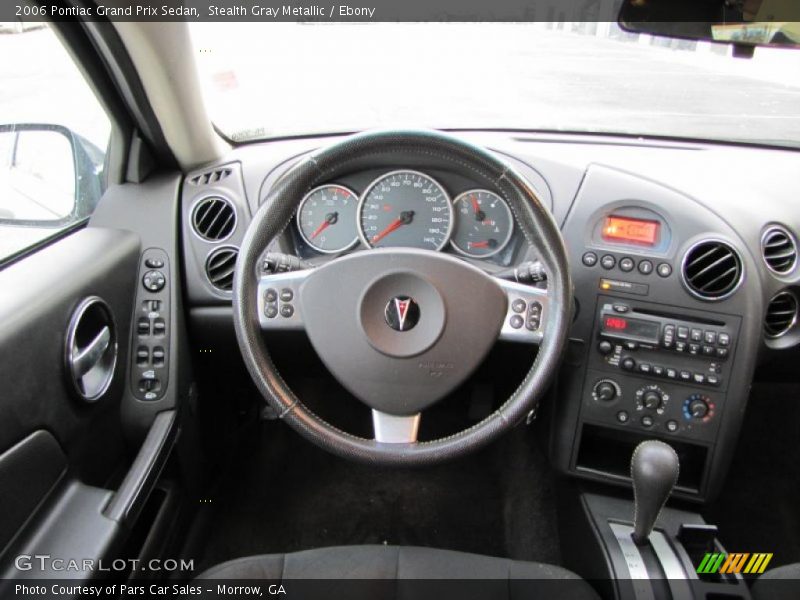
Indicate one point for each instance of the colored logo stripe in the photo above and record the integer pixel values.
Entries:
(719, 562)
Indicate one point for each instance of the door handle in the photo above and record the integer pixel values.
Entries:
(87, 358)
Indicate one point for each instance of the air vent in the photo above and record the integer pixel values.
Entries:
(779, 250)
(220, 266)
(210, 177)
(214, 219)
(712, 270)
(781, 314)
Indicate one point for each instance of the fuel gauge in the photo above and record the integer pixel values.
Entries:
(483, 224)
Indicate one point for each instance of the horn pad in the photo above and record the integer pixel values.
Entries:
(401, 328)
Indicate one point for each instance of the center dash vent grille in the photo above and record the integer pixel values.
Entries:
(779, 250)
(712, 270)
(781, 314)
(220, 266)
(214, 218)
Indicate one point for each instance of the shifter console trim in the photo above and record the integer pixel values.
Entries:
(637, 570)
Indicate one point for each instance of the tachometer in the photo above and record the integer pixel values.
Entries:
(326, 218)
(405, 208)
(483, 223)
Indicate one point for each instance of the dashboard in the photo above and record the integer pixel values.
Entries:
(683, 260)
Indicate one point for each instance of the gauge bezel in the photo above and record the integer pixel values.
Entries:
(360, 226)
(300, 210)
(509, 235)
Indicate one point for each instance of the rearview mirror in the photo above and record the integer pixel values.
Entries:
(745, 23)
(49, 175)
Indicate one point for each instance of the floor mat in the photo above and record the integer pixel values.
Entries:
(282, 494)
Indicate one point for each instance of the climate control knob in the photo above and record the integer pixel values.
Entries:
(606, 390)
(651, 397)
(698, 407)
(651, 400)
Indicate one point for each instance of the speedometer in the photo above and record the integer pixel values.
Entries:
(405, 208)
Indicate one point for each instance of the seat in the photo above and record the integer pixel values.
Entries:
(404, 572)
(780, 583)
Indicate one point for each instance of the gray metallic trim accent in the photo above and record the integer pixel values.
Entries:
(637, 570)
(686, 285)
(395, 429)
(380, 178)
(510, 220)
(198, 201)
(79, 362)
(676, 575)
(778, 229)
(519, 291)
(300, 227)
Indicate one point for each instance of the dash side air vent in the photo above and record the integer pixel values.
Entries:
(781, 314)
(712, 270)
(213, 218)
(779, 250)
(210, 176)
(220, 266)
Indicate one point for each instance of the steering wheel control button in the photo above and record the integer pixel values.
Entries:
(286, 295)
(519, 305)
(664, 269)
(154, 281)
(516, 321)
(271, 311)
(626, 264)
(287, 310)
(402, 313)
(589, 259)
(270, 295)
(608, 262)
(645, 267)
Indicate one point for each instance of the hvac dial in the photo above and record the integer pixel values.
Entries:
(326, 218)
(405, 208)
(483, 224)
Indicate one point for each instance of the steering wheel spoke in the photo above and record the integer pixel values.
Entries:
(279, 300)
(395, 429)
(526, 313)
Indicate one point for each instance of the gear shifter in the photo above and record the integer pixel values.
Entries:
(654, 471)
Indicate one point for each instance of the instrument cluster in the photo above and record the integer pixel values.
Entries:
(405, 208)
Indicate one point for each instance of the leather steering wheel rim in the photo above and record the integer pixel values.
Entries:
(532, 218)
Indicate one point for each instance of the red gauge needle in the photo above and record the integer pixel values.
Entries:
(404, 219)
(330, 219)
(475, 205)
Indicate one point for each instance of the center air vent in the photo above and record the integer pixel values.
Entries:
(220, 266)
(781, 314)
(214, 219)
(712, 270)
(779, 250)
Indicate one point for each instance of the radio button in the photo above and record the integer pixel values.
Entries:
(686, 376)
(608, 262)
(711, 337)
(699, 378)
(708, 350)
(621, 308)
(712, 380)
(724, 339)
(694, 349)
(683, 333)
(605, 347)
(672, 374)
(589, 259)
(631, 345)
(680, 346)
(626, 264)
(697, 335)
(658, 370)
(644, 368)
(628, 363)
(722, 352)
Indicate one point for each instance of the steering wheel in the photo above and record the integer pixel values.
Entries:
(400, 328)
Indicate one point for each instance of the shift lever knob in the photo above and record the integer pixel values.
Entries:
(654, 471)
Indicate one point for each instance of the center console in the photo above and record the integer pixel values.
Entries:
(650, 356)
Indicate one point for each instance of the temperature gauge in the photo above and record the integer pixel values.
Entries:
(483, 224)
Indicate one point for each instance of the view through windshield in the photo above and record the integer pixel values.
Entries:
(278, 79)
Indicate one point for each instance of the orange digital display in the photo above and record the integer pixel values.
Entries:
(633, 231)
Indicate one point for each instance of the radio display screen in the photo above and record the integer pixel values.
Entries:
(625, 326)
(632, 231)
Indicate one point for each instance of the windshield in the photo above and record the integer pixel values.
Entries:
(281, 79)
